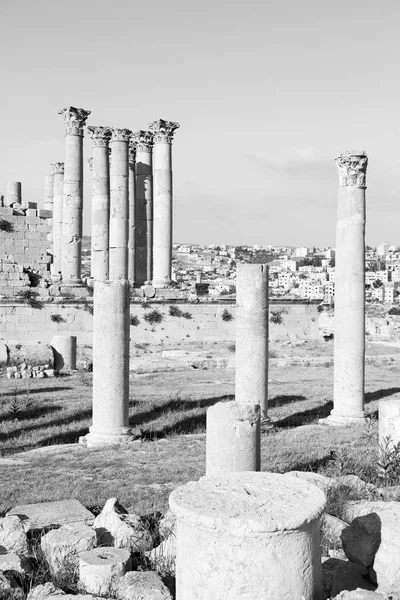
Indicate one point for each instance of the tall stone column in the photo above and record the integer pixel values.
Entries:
(110, 364)
(119, 203)
(13, 193)
(251, 375)
(48, 192)
(162, 201)
(143, 206)
(58, 175)
(100, 202)
(74, 120)
(349, 349)
(132, 224)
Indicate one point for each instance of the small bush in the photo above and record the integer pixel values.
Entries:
(154, 317)
(88, 308)
(226, 315)
(272, 354)
(134, 320)
(276, 317)
(31, 297)
(232, 348)
(175, 311)
(57, 319)
(6, 226)
(395, 310)
(388, 465)
(187, 315)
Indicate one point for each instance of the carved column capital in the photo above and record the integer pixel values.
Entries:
(352, 167)
(132, 150)
(101, 136)
(58, 168)
(143, 140)
(120, 135)
(74, 119)
(163, 131)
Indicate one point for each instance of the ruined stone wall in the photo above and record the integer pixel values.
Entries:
(19, 321)
(23, 247)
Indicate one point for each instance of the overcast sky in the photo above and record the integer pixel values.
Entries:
(266, 93)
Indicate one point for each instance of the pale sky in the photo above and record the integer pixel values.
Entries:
(266, 93)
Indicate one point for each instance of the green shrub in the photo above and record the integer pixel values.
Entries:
(6, 226)
(134, 320)
(57, 319)
(154, 317)
(226, 315)
(276, 317)
(175, 311)
(187, 315)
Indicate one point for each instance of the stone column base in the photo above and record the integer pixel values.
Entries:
(337, 419)
(165, 283)
(95, 439)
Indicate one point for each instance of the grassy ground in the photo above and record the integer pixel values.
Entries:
(164, 407)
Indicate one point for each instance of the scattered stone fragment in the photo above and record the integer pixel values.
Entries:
(13, 562)
(362, 539)
(142, 585)
(359, 487)
(12, 536)
(62, 547)
(331, 530)
(50, 514)
(43, 592)
(167, 525)
(162, 558)
(115, 527)
(349, 576)
(360, 594)
(101, 568)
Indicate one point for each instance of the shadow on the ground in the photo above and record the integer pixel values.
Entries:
(33, 412)
(174, 405)
(379, 394)
(305, 417)
(78, 416)
(26, 391)
(312, 465)
(284, 399)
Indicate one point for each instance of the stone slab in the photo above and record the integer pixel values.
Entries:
(51, 514)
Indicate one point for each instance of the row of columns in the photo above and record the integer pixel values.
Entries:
(131, 224)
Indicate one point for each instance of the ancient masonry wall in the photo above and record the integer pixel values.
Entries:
(19, 322)
(23, 246)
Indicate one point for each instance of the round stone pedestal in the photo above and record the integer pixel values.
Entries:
(248, 535)
(101, 569)
(389, 423)
(64, 347)
(233, 438)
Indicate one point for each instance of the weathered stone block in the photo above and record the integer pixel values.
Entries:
(48, 514)
(63, 547)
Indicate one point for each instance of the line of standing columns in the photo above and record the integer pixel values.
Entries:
(132, 215)
(163, 132)
(74, 121)
(100, 202)
(58, 193)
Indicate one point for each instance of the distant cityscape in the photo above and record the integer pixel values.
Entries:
(304, 273)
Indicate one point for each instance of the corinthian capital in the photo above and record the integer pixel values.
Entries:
(163, 130)
(100, 135)
(120, 135)
(352, 167)
(58, 168)
(74, 119)
(132, 150)
(143, 140)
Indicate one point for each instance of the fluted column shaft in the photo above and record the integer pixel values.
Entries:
(132, 224)
(58, 194)
(143, 206)
(74, 119)
(349, 349)
(162, 201)
(48, 192)
(100, 202)
(119, 204)
(13, 193)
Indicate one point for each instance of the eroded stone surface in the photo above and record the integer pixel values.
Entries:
(48, 514)
(12, 535)
(115, 527)
(142, 585)
(101, 568)
(62, 547)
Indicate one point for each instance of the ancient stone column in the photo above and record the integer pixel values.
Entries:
(389, 423)
(58, 171)
(232, 438)
(143, 206)
(119, 204)
(64, 347)
(48, 192)
(251, 376)
(110, 364)
(74, 120)
(248, 536)
(100, 202)
(13, 193)
(132, 224)
(349, 348)
(162, 201)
